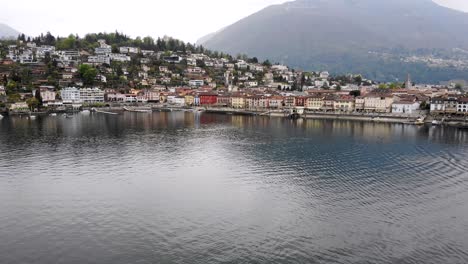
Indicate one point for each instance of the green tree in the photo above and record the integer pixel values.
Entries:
(11, 86)
(267, 63)
(355, 93)
(67, 43)
(458, 86)
(358, 79)
(38, 96)
(87, 74)
(13, 98)
(33, 103)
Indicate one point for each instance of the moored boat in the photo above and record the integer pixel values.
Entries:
(419, 121)
(436, 123)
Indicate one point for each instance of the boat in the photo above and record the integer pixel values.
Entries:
(85, 112)
(1, 116)
(32, 117)
(53, 114)
(436, 123)
(68, 116)
(419, 121)
(137, 110)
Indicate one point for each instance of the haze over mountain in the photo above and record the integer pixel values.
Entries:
(381, 39)
(7, 32)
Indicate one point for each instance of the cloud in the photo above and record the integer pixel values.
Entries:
(184, 19)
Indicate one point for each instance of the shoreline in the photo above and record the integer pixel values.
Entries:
(374, 118)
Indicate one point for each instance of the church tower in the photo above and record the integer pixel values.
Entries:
(408, 83)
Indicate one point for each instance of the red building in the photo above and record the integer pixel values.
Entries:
(300, 101)
(208, 99)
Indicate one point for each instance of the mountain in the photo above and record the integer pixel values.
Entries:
(7, 32)
(382, 39)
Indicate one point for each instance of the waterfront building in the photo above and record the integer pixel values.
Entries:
(300, 101)
(275, 102)
(289, 101)
(344, 104)
(189, 100)
(238, 101)
(48, 93)
(179, 101)
(437, 105)
(19, 106)
(378, 103)
(359, 103)
(405, 107)
(70, 95)
(223, 100)
(450, 105)
(91, 95)
(328, 103)
(208, 98)
(115, 97)
(462, 105)
(314, 102)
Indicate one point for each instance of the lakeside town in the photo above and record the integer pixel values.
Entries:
(49, 74)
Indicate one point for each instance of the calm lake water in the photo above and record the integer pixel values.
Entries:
(202, 188)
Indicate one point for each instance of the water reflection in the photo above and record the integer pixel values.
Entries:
(202, 188)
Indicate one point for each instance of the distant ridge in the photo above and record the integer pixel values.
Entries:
(368, 36)
(7, 32)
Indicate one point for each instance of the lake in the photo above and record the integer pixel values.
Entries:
(204, 188)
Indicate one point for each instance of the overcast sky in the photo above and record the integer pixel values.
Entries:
(184, 19)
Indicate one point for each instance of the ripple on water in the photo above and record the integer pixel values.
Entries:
(180, 188)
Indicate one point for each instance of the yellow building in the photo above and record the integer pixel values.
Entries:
(189, 100)
(238, 101)
(344, 105)
(314, 102)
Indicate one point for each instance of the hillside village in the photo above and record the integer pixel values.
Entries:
(59, 74)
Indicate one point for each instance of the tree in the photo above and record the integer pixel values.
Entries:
(383, 86)
(358, 79)
(13, 98)
(38, 96)
(33, 103)
(87, 74)
(254, 60)
(11, 85)
(355, 93)
(458, 87)
(267, 63)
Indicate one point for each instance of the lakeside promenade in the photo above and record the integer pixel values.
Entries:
(280, 113)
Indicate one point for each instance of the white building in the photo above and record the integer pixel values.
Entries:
(91, 95)
(127, 50)
(405, 107)
(437, 104)
(48, 93)
(99, 59)
(119, 57)
(70, 95)
(462, 105)
(251, 84)
(103, 50)
(196, 83)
